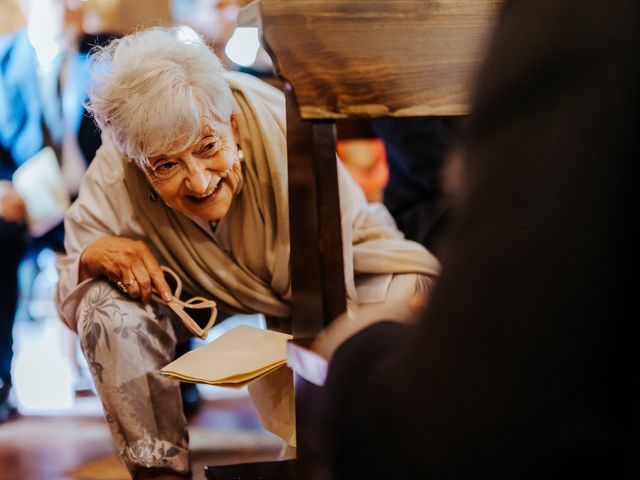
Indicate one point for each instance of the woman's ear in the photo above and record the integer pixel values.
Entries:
(234, 129)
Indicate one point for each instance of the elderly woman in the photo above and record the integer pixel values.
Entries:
(192, 175)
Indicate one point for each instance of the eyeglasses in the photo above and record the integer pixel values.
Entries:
(171, 168)
(192, 312)
(175, 165)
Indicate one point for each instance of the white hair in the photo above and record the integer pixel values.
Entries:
(152, 92)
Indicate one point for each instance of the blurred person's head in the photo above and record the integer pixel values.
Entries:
(52, 25)
(215, 19)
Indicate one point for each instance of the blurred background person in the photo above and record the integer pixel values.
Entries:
(416, 152)
(400, 163)
(217, 21)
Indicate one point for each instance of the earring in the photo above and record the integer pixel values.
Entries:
(152, 195)
(240, 153)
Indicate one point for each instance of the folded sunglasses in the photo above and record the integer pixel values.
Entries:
(193, 312)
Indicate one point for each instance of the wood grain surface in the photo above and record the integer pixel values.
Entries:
(370, 58)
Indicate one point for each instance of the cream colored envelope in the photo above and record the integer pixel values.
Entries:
(235, 359)
(40, 183)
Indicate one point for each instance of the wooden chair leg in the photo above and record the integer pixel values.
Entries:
(306, 270)
(329, 219)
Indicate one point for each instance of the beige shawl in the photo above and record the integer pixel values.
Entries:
(255, 275)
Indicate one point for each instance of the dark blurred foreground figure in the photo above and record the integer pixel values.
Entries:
(525, 363)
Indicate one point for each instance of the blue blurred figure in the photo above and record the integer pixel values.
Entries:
(43, 78)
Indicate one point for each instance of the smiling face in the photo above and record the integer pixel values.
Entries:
(201, 180)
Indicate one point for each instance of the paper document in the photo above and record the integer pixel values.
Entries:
(240, 356)
(40, 184)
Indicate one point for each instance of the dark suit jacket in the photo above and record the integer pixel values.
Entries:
(525, 364)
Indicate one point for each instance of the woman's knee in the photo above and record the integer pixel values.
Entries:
(106, 316)
(101, 306)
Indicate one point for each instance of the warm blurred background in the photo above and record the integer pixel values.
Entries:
(11, 17)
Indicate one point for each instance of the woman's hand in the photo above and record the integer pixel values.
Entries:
(12, 207)
(127, 261)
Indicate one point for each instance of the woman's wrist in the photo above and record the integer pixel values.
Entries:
(85, 271)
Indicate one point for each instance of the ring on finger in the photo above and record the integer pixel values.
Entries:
(122, 287)
(128, 284)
